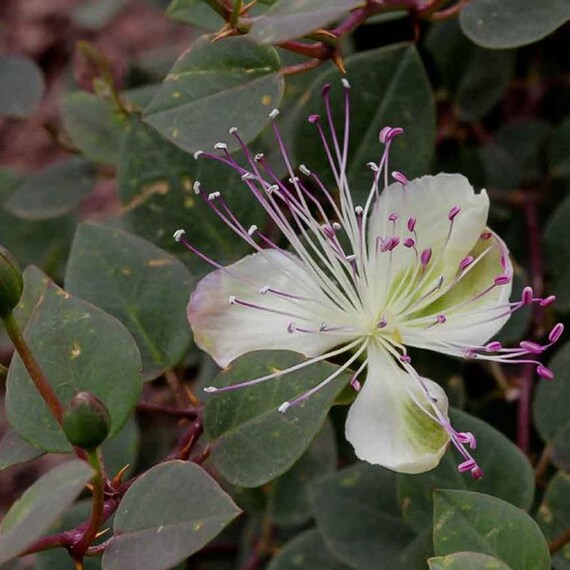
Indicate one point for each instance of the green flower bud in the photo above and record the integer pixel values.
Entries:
(11, 282)
(86, 422)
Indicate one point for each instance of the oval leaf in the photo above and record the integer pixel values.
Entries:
(354, 508)
(252, 442)
(467, 561)
(288, 19)
(169, 513)
(508, 474)
(53, 191)
(389, 87)
(500, 24)
(557, 241)
(213, 87)
(559, 150)
(40, 506)
(306, 551)
(474, 522)
(21, 86)
(144, 287)
(78, 347)
(14, 450)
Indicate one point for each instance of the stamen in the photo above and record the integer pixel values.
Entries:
(544, 372)
(220, 146)
(453, 213)
(411, 224)
(178, 235)
(527, 295)
(400, 178)
(502, 279)
(494, 346)
(531, 347)
(466, 262)
(556, 332)
(274, 113)
(198, 154)
(425, 257)
(548, 301)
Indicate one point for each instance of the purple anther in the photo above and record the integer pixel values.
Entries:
(544, 372)
(467, 465)
(313, 118)
(466, 437)
(486, 235)
(384, 134)
(546, 302)
(382, 323)
(441, 319)
(504, 262)
(527, 295)
(425, 256)
(405, 358)
(556, 332)
(394, 242)
(325, 89)
(470, 354)
(328, 231)
(532, 347)
(411, 224)
(354, 382)
(466, 262)
(502, 279)
(477, 472)
(392, 133)
(409, 242)
(399, 177)
(291, 327)
(494, 346)
(453, 212)
(393, 217)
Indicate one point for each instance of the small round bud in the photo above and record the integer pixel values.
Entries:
(11, 282)
(86, 421)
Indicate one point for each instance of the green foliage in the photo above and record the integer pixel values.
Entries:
(467, 521)
(40, 506)
(22, 86)
(157, 528)
(245, 426)
(467, 561)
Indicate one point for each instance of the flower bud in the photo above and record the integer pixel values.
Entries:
(11, 282)
(86, 422)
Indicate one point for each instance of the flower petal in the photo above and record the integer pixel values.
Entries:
(472, 316)
(385, 424)
(427, 201)
(227, 331)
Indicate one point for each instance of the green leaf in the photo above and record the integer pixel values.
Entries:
(550, 406)
(553, 515)
(306, 551)
(79, 348)
(467, 561)
(500, 24)
(195, 13)
(288, 499)
(213, 87)
(508, 474)
(477, 78)
(354, 509)
(14, 450)
(93, 126)
(466, 521)
(560, 455)
(168, 514)
(141, 285)
(94, 14)
(155, 182)
(557, 242)
(252, 442)
(52, 191)
(389, 87)
(288, 19)
(558, 150)
(21, 86)
(32, 514)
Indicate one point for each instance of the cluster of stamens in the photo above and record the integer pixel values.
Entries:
(312, 221)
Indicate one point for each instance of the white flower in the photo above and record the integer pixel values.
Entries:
(415, 265)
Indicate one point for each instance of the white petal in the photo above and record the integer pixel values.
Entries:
(468, 323)
(227, 331)
(428, 200)
(385, 424)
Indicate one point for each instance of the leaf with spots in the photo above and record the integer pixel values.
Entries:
(168, 514)
(252, 442)
(213, 87)
(466, 521)
(79, 348)
(156, 183)
(510, 479)
(144, 287)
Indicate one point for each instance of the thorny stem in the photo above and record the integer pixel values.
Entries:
(78, 549)
(537, 273)
(560, 541)
(40, 381)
